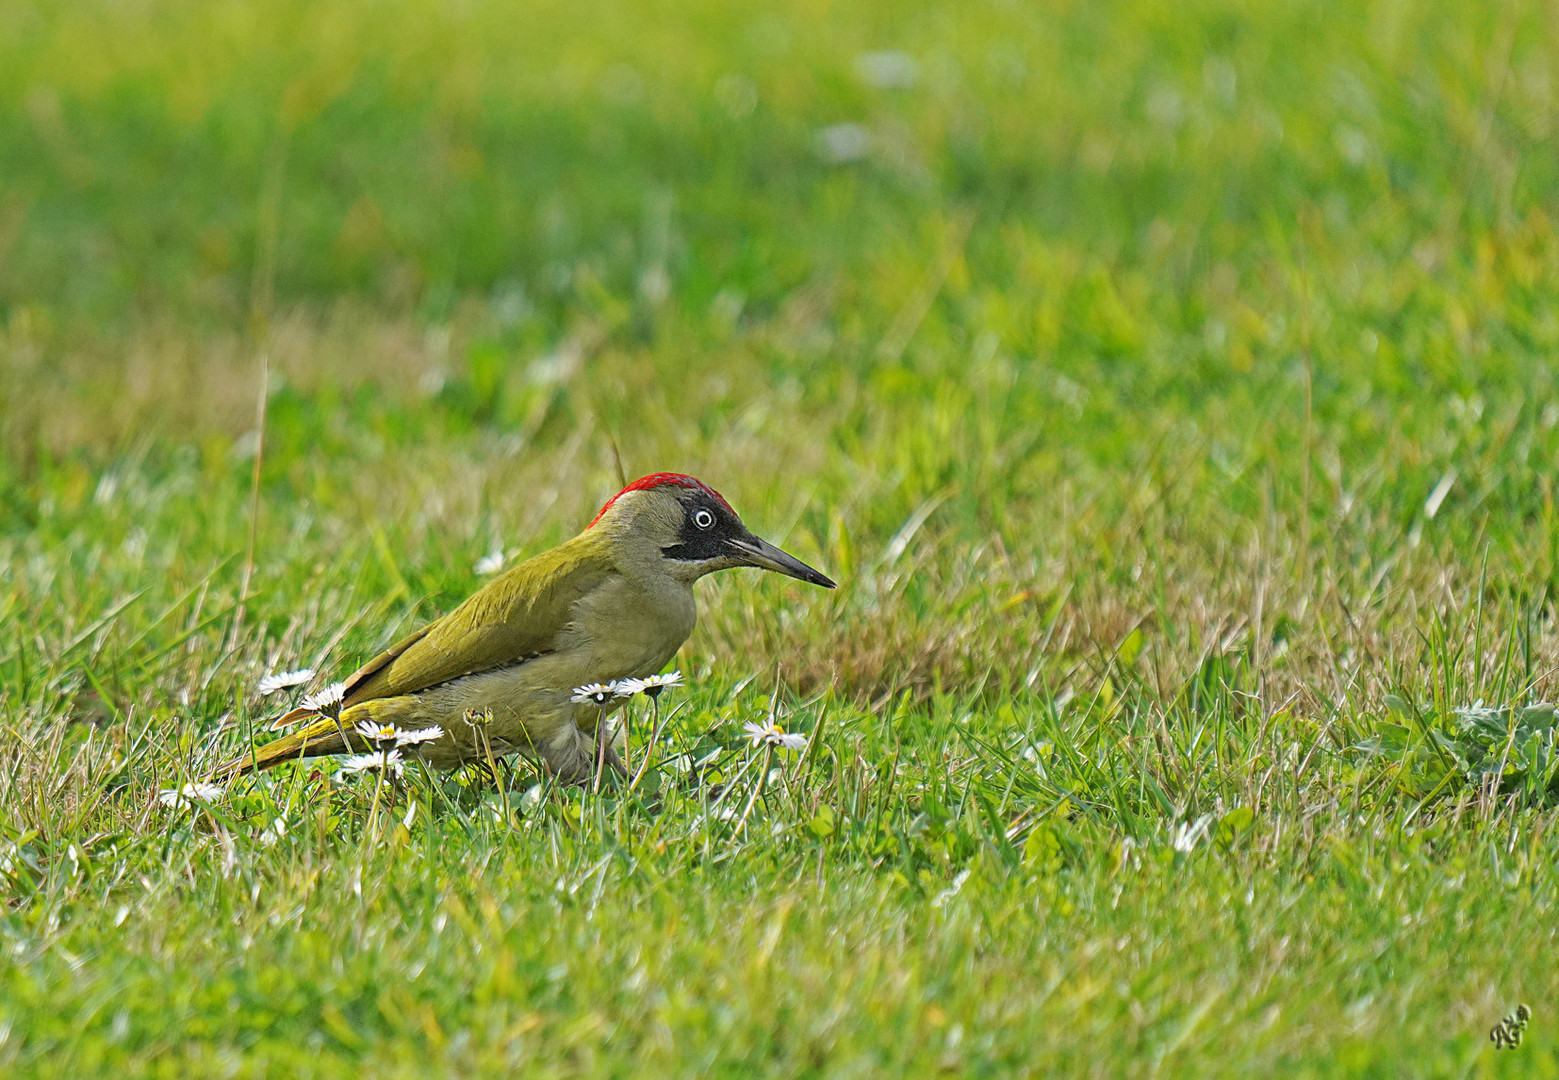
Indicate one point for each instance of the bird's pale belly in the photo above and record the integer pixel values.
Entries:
(525, 709)
(525, 712)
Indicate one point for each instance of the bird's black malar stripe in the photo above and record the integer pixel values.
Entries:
(706, 546)
(698, 545)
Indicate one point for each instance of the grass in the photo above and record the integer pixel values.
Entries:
(1169, 386)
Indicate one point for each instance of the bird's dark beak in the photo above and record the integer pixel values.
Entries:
(765, 556)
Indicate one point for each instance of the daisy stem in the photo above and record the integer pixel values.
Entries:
(492, 765)
(763, 779)
(346, 743)
(373, 810)
(432, 785)
(628, 738)
(600, 747)
(649, 747)
(729, 786)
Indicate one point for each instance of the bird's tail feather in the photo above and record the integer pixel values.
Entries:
(287, 719)
(319, 738)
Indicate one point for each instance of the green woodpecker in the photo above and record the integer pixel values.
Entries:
(614, 602)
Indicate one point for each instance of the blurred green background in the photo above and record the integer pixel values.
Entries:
(1147, 200)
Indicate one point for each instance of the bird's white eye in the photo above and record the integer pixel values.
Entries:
(703, 518)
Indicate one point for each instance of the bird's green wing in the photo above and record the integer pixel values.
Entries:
(377, 664)
(517, 615)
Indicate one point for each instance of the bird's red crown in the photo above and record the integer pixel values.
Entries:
(662, 479)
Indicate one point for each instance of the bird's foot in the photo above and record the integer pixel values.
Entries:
(579, 765)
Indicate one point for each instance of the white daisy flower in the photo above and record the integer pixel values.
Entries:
(388, 761)
(840, 144)
(490, 563)
(651, 685)
(769, 733)
(189, 793)
(421, 735)
(594, 693)
(378, 733)
(281, 680)
(888, 69)
(327, 699)
(1187, 834)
